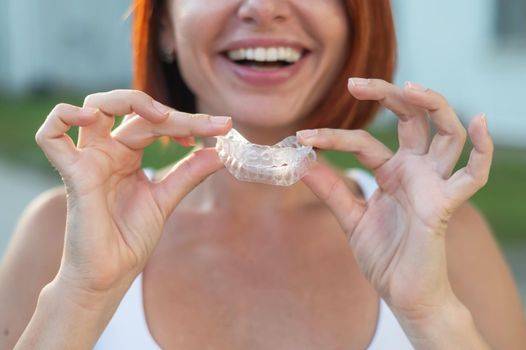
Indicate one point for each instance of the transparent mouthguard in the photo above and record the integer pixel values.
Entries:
(282, 164)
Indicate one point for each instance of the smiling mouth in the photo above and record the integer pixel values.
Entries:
(265, 57)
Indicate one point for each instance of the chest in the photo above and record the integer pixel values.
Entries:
(215, 290)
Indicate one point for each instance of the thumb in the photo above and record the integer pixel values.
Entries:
(325, 183)
(184, 177)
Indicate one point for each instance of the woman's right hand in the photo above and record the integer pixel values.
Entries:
(115, 214)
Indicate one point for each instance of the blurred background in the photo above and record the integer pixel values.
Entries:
(472, 51)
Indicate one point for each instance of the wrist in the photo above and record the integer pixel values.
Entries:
(448, 325)
(67, 318)
(73, 296)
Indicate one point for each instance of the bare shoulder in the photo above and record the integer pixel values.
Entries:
(30, 262)
(482, 280)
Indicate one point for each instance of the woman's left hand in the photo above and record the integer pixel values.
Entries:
(398, 236)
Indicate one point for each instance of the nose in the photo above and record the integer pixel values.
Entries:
(264, 12)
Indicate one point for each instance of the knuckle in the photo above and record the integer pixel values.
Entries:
(463, 134)
(362, 134)
(381, 82)
(440, 100)
(458, 135)
(327, 136)
(187, 168)
(91, 99)
(40, 137)
(60, 109)
(482, 180)
(201, 118)
(138, 96)
(439, 96)
(491, 147)
(326, 132)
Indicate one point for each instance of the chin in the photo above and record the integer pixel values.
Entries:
(263, 118)
(266, 112)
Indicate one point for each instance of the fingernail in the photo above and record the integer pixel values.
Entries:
(484, 121)
(220, 120)
(161, 108)
(305, 134)
(416, 87)
(359, 81)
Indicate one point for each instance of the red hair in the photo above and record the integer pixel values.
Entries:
(372, 54)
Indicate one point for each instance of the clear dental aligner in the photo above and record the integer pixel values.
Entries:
(282, 164)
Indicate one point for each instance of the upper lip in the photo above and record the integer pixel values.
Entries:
(263, 42)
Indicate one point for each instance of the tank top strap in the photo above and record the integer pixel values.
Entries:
(149, 172)
(128, 328)
(365, 181)
(389, 334)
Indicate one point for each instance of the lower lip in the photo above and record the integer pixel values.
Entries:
(263, 77)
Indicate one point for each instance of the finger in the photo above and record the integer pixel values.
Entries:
(450, 137)
(139, 133)
(128, 117)
(369, 151)
(413, 128)
(332, 190)
(184, 177)
(116, 103)
(183, 141)
(122, 102)
(52, 137)
(467, 181)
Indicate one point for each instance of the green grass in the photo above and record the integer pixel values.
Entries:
(21, 117)
(502, 200)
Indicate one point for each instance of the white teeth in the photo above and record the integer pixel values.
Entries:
(248, 54)
(264, 54)
(272, 54)
(260, 54)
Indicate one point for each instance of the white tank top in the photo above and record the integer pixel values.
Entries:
(128, 328)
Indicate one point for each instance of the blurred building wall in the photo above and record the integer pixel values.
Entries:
(453, 47)
(450, 46)
(69, 44)
(4, 44)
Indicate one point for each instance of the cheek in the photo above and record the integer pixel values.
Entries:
(195, 18)
(337, 40)
(333, 32)
(198, 23)
(196, 26)
(189, 19)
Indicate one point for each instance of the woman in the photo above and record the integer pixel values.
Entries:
(247, 266)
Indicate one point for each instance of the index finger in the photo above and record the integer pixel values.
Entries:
(122, 102)
(139, 133)
(368, 150)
